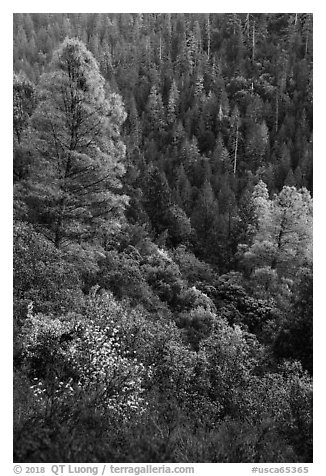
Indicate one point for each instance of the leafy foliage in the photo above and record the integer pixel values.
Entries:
(43, 274)
(282, 240)
(163, 237)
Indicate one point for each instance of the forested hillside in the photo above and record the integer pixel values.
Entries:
(162, 237)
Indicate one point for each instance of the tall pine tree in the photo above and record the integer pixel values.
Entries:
(73, 188)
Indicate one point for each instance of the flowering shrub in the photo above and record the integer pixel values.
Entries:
(111, 378)
(84, 361)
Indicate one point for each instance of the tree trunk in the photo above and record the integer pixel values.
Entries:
(253, 42)
(208, 37)
(160, 48)
(236, 151)
(276, 112)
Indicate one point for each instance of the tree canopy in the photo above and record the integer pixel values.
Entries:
(163, 237)
(74, 185)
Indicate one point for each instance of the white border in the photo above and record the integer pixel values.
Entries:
(318, 467)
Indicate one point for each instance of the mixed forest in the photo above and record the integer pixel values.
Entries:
(162, 168)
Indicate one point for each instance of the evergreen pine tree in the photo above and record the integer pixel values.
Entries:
(73, 189)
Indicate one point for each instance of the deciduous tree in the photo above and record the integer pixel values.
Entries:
(282, 241)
